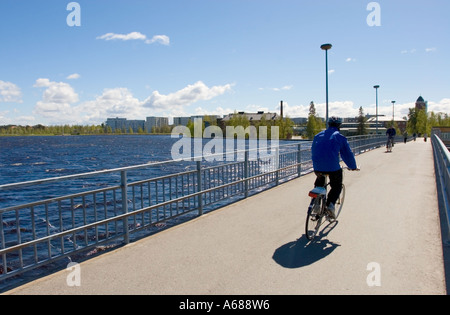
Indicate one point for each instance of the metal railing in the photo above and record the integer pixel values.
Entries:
(442, 170)
(37, 233)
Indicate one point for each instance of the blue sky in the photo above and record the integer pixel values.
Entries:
(135, 59)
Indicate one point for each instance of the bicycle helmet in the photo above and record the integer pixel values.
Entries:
(334, 122)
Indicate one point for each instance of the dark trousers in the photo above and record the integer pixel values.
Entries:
(335, 184)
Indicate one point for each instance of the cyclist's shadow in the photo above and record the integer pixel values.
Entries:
(303, 252)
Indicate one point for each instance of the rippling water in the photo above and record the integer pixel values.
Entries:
(33, 158)
(28, 158)
(38, 157)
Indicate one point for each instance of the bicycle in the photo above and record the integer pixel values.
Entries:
(389, 145)
(318, 213)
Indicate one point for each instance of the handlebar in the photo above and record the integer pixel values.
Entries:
(357, 169)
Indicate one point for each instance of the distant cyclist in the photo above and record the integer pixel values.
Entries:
(391, 133)
(326, 149)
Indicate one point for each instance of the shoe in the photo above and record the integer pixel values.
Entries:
(331, 211)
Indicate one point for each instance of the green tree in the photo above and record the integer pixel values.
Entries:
(314, 124)
(239, 120)
(285, 126)
(422, 122)
(362, 123)
(411, 126)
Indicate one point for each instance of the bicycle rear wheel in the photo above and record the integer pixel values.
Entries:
(389, 146)
(314, 218)
(340, 202)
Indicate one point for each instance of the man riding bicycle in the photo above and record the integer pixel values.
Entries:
(391, 133)
(326, 149)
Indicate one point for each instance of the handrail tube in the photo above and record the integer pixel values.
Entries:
(442, 165)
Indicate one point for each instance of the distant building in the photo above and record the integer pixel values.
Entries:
(124, 125)
(421, 104)
(181, 121)
(155, 122)
(136, 125)
(116, 123)
(350, 125)
(253, 117)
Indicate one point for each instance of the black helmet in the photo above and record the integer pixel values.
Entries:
(334, 122)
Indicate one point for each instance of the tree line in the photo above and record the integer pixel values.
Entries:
(38, 130)
(419, 122)
(285, 128)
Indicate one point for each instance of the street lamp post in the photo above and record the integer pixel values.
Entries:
(393, 114)
(326, 47)
(376, 90)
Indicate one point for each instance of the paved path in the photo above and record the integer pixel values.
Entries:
(388, 232)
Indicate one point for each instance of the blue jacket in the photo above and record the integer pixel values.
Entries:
(326, 148)
(391, 133)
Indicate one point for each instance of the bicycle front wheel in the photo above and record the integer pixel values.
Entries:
(340, 202)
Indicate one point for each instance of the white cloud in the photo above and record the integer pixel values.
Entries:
(284, 88)
(442, 106)
(56, 100)
(411, 51)
(220, 111)
(331, 71)
(296, 110)
(161, 39)
(350, 59)
(41, 82)
(3, 118)
(25, 119)
(433, 49)
(277, 89)
(185, 97)
(73, 76)
(402, 109)
(129, 36)
(9, 92)
(112, 103)
(59, 103)
(338, 108)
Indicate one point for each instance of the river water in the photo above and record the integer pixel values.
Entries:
(39, 157)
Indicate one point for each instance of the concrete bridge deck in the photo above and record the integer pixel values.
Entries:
(388, 236)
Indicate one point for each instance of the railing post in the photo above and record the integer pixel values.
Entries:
(246, 173)
(124, 188)
(277, 165)
(199, 188)
(299, 160)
